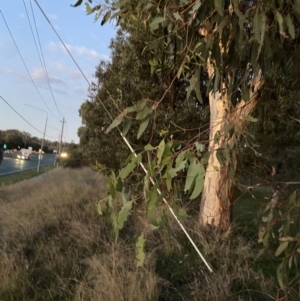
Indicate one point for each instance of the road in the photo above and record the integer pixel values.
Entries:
(11, 165)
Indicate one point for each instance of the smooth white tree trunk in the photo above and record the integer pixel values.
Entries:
(217, 195)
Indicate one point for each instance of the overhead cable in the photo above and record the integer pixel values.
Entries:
(24, 118)
(44, 63)
(26, 65)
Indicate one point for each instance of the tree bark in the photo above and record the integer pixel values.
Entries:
(217, 195)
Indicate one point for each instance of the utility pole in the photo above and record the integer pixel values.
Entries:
(61, 135)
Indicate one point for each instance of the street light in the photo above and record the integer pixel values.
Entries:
(39, 163)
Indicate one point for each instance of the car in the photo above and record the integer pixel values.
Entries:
(23, 156)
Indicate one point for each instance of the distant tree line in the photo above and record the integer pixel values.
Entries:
(14, 139)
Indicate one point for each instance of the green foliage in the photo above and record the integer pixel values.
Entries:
(75, 157)
(161, 159)
(191, 50)
(140, 251)
(279, 225)
(127, 89)
(14, 139)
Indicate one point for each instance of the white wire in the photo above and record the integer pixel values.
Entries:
(131, 149)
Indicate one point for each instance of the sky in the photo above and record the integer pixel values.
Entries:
(27, 89)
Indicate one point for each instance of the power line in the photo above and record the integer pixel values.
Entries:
(34, 37)
(41, 57)
(26, 65)
(133, 152)
(45, 67)
(24, 118)
(62, 42)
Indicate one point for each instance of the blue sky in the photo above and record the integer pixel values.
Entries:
(86, 40)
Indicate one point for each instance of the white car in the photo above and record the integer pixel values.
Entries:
(23, 156)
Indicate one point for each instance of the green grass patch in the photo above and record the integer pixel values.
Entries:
(24, 175)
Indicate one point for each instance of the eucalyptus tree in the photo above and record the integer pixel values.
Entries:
(225, 49)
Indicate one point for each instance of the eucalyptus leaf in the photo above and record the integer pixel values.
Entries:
(123, 214)
(180, 158)
(155, 23)
(119, 185)
(144, 113)
(219, 6)
(173, 171)
(115, 123)
(262, 33)
(257, 23)
(283, 245)
(191, 175)
(151, 204)
(177, 16)
(130, 167)
(199, 146)
(140, 251)
(279, 274)
(99, 208)
(290, 26)
(199, 183)
(112, 190)
(106, 17)
(196, 6)
(126, 126)
(143, 127)
(160, 151)
(149, 147)
(279, 19)
(79, 2)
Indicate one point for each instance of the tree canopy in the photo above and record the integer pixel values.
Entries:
(230, 70)
(227, 53)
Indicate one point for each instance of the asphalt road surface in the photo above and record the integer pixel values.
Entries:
(11, 164)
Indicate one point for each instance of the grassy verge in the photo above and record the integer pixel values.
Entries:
(54, 246)
(24, 175)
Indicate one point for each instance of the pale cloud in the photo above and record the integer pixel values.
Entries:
(55, 80)
(78, 50)
(58, 66)
(83, 51)
(38, 75)
(8, 70)
(16, 74)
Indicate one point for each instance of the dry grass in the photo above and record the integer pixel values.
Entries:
(54, 246)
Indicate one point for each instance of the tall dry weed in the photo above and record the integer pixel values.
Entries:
(54, 246)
